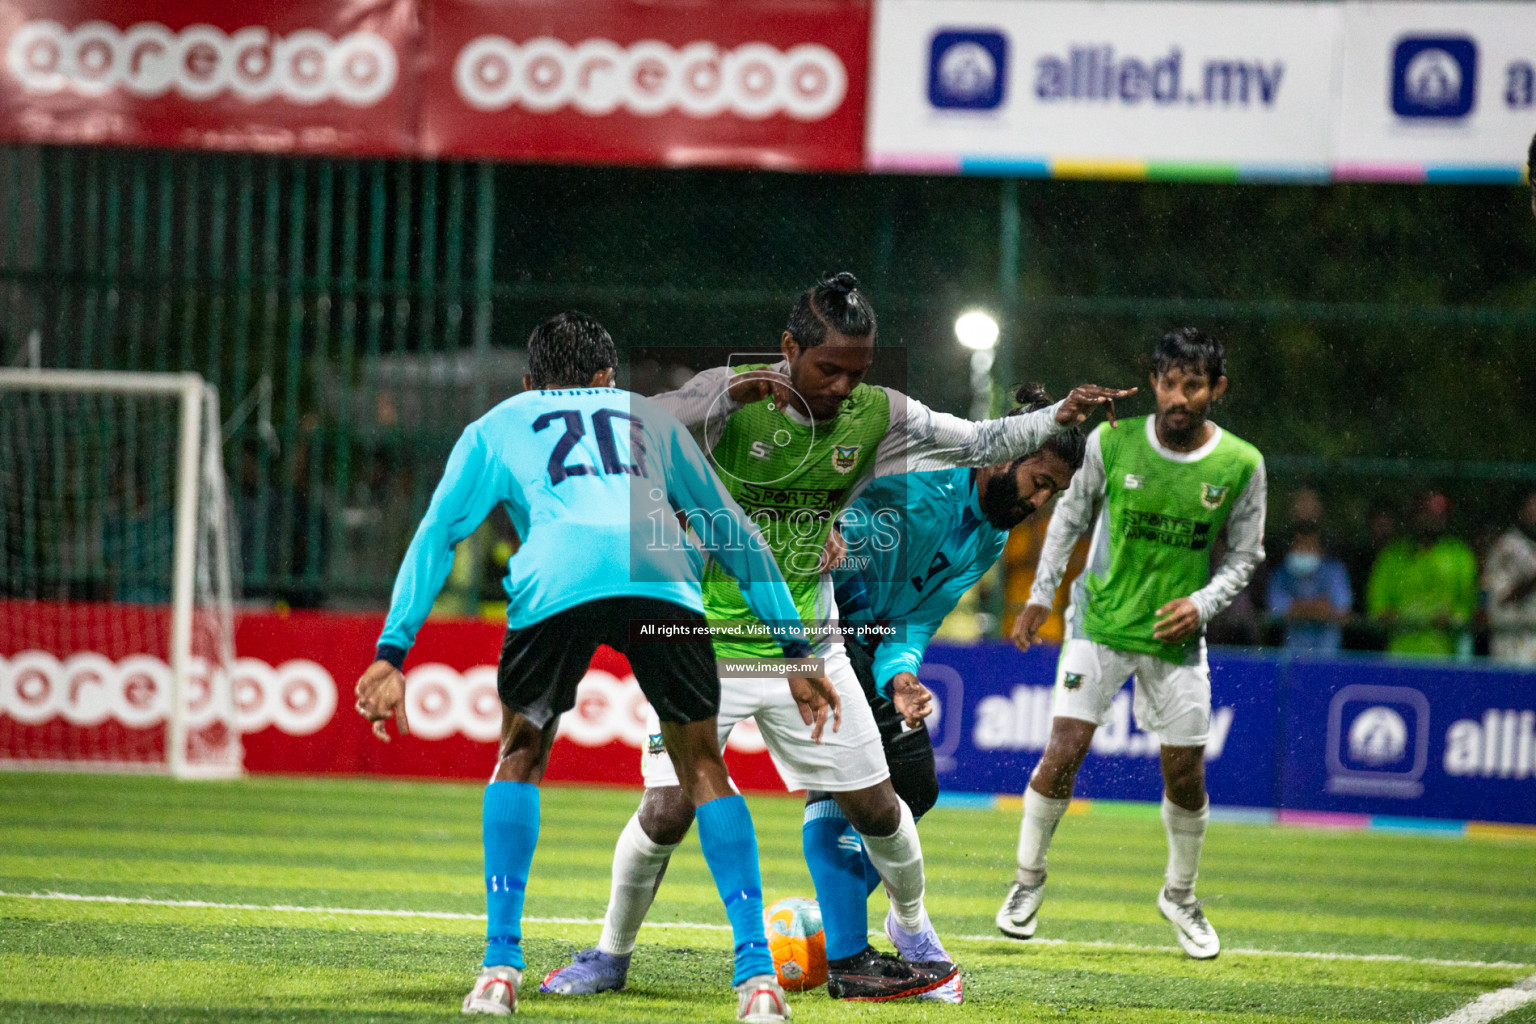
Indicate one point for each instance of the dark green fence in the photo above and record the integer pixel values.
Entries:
(356, 313)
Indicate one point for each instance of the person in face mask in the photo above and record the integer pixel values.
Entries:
(1311, 593)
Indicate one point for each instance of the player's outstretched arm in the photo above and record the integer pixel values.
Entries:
(464, 497)
(1073, 516)
(733, 539)
(921, 440)
(716, 392)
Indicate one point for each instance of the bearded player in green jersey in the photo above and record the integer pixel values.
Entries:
(1157, 491)
(793, 441)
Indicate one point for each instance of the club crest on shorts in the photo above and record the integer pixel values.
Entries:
(1212, 496)
(1072, 680)
(653, 744)
(845, 457)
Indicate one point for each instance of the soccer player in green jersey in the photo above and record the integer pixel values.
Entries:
(1157, 491)
(793, 442)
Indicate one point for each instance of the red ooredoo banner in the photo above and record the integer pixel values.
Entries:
(770, 83)
(315, 76)
(773, 83)
(292, 685)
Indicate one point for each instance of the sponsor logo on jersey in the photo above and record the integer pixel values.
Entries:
(845, 457)
(653, 744)
(1134, 482)
(1161, 528)
(761, 450)
(1072, 680)
(1212, 496)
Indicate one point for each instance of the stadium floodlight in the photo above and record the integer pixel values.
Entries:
(977, 330)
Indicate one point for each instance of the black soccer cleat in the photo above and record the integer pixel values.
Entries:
(874, 977)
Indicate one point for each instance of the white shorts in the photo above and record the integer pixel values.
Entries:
(1173, 701)
(850, 759)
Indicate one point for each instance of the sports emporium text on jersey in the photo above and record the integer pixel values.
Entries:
(201, 62)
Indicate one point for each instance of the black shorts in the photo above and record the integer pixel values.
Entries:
(908, 754)
(542, 663)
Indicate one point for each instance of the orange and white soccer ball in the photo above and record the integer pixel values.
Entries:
(796, 943)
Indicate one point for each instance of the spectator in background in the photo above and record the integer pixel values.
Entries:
(1423, 589)
(1360, 553)
(1310, 592)
(1509, 577)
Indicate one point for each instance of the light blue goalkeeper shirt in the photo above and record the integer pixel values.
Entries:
(592, 479)
(916, 543)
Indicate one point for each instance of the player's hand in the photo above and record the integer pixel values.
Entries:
(816, 696)
(756, 385)
(1026, 628)
(1079, 405)
(835, 550)
(911, 698)
(1177, 620)
(380, 694)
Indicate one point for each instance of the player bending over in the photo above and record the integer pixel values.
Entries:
(1157, 492)
(586, 472)
(914, 545)
(794, 444)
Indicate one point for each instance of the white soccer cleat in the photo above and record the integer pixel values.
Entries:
(1191, 928)
(495, 991)
(1020, 913)
(952, 991)
(760, 1000)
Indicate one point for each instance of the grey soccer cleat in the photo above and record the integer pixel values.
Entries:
(1020, 913)
(760, 1000)
(495, 991)
(592, 971)
(1190, 926)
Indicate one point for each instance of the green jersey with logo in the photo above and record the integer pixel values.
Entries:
(1162, 511)
(792, 477)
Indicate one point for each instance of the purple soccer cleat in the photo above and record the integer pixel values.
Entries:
(592, 971)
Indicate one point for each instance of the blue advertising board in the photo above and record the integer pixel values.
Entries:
(1004, 697)
(1352, 735)
(1395, 738)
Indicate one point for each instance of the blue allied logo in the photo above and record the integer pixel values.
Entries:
(1378, 741)
(1434, 77)
(967, 69)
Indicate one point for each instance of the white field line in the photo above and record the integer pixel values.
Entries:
(1491, 1005)
(445, 915)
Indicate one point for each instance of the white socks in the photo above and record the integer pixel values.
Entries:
(1041, 816)
(899, 859)
(638, 864)
(1186, 834)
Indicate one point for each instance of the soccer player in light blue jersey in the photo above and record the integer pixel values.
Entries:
(914, 545)
(593, 478)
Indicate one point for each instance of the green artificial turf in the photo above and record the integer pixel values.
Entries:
(1454, 917)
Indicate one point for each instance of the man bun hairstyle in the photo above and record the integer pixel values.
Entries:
(835, 304)
(568, 350)
(1193, 351)
(1069, 445)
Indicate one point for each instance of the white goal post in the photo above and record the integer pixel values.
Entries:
(116, 591)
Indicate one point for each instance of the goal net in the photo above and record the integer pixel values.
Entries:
(116, 626)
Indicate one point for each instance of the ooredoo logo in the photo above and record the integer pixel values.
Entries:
(201, 62)
(650, 78)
